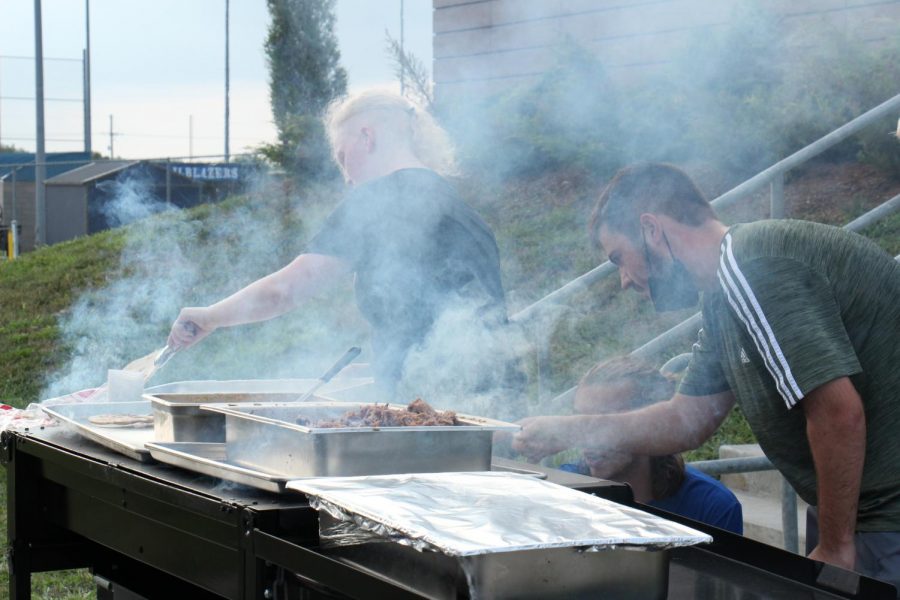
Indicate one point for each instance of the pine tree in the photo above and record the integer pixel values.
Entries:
(304, 76)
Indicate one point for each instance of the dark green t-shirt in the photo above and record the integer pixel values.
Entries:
(802, 304)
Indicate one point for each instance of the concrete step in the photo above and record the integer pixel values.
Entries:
(762, 519)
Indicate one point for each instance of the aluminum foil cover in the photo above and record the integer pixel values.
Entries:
(468, 514)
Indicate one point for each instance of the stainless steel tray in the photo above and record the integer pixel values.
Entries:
(127, 441)
(176, 406)
(178, 418)
(266, 437)
(210, 459)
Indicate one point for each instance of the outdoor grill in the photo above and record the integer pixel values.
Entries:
(229, 528)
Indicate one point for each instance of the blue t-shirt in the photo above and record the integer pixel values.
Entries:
(704, 499)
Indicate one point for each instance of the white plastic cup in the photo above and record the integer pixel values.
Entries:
(125, 386)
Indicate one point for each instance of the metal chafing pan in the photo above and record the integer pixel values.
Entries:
(211, 459)
(266, 437)
(126, 440)
(551, 573)
(178, 418)
(176, 406)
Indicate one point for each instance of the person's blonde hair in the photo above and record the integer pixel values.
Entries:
(428, 140)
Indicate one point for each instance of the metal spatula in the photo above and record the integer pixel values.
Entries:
(336, 368)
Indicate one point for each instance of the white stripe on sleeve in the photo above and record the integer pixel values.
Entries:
(743, 290)
(743, 313)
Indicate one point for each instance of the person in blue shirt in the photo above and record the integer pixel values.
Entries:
(627, 383)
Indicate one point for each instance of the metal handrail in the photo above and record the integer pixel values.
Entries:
(692, 324)
(752, 464)
(860, 223)
(773, 174)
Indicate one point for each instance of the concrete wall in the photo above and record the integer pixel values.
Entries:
(484, 46)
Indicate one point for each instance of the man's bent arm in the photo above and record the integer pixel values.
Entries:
(682, 423)
(836, 429)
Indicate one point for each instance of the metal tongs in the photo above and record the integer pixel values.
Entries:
(336, 368)
(166, 353)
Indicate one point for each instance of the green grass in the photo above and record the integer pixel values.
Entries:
(541, 230)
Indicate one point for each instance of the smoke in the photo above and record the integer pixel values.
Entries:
(132, 200)
(724, 92)
(468, 367)
(193, 258)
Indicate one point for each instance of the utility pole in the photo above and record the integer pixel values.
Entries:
(227, 107)
(40, 158)
(111, 136)
(88, 146)
(191, 136)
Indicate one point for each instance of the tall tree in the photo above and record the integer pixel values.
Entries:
(304, 76)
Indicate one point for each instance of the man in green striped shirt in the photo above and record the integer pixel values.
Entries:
(800, 327)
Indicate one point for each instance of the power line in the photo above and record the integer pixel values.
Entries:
(76, 137)
(31, 98)
(11, 57)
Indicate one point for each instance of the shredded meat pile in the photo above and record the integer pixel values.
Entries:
(418, 413)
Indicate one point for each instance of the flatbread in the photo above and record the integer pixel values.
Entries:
(122, 420)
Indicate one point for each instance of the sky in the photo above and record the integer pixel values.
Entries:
(157, 67)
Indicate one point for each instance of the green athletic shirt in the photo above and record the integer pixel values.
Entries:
(801, 304)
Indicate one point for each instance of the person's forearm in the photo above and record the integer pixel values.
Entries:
(261, 300)
(836, 429)
(278, 292)
(680, 424)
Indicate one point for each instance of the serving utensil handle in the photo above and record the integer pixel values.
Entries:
(345, 360)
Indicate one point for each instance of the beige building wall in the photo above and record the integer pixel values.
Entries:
(485, 46)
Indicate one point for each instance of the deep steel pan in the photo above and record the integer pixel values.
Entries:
(266, 437)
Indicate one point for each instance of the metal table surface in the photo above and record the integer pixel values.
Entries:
(164, 532)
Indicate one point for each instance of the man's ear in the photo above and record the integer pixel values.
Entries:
(650, 228)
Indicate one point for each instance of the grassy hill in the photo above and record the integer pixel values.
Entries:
(200, 255)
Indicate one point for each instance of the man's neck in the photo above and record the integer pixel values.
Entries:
(698, 248)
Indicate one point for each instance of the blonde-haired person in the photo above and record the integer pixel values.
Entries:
(415, 248)
(627, 383)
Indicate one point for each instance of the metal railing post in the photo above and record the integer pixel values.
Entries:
(776, 197)
(14, 216)
(789, 517)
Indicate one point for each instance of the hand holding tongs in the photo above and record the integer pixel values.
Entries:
(345, 360)
(165, 354)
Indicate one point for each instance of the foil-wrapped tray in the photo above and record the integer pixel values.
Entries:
(266, 437)
(494, 535)
(490, 513)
